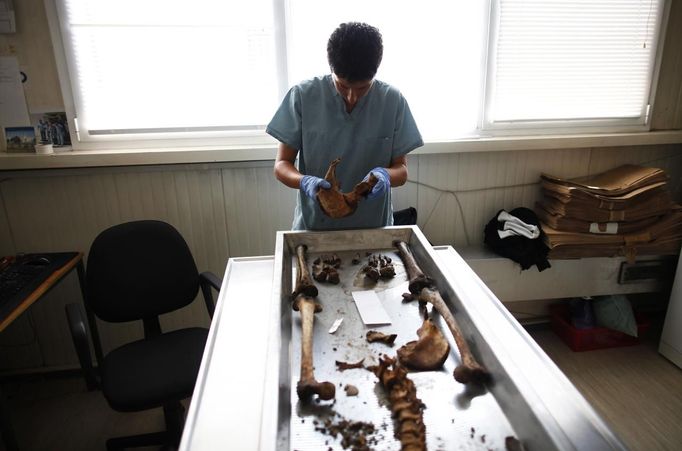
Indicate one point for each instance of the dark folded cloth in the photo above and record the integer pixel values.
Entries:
(523, 250)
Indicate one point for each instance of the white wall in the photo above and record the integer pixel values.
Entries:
(230, 210)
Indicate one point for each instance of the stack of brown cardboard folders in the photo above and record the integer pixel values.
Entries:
(624, 211)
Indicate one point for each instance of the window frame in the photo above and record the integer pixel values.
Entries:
(259, 139)
(488, 127)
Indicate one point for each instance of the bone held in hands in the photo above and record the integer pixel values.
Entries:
(423, 289)
(307, 384)
(336, 204)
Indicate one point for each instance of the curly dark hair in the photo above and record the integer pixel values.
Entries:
(354, 51)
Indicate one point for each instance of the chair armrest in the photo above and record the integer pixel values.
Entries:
(81, 341)
(208, 280)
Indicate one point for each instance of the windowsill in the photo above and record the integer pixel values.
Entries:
(222, 154)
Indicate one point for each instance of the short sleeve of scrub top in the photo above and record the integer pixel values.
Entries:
(313, 119)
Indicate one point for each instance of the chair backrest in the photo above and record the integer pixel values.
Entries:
(139, 270)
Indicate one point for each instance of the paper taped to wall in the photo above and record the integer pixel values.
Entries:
(13, 110)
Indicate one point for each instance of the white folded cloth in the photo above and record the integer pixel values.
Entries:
(513, 226)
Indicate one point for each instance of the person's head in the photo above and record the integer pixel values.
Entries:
(354, 52)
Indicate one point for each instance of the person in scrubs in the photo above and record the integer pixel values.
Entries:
(351, 115)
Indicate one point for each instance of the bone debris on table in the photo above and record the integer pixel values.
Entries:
(373, 336)
(429, 352)
(379, 267)
(336, 204)
(306, 305)
(325, 268)
(405, 406)
(423, 289)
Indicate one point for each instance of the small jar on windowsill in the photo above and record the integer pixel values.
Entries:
(44, 148)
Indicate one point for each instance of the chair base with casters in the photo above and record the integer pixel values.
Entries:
(159, 370)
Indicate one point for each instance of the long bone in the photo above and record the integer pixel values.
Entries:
(304, 303)
(307, 384)
(304, 281)
(423, 289)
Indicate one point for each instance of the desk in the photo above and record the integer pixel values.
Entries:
(232, 401)
(76, 261)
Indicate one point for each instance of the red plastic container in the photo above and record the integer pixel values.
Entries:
(593, 338)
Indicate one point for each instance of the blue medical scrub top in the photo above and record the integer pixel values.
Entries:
(313, 119)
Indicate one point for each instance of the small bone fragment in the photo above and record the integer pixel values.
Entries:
(351, 390)
(379, 266)
(336, 325)
(511, 443)
(356, 259)
(374, 335)
(341, 366)
(423, 288)
(325, 268)
(336, 204)
(429, 352)
(307, 385)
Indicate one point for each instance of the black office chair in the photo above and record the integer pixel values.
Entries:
(408, 216)
(138, 271)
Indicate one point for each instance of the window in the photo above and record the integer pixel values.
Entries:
(212, 71)
(586, 62)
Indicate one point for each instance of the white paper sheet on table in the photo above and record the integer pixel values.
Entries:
(370, 308)
(394, 294)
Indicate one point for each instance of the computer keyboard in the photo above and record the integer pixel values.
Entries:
(20, 276)
(16, 277)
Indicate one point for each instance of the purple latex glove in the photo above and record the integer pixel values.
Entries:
(310, 185)
(383, 182)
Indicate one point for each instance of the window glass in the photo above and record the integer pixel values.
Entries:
(568, 59)
(433, 53)
(165, 64)
(168, 68)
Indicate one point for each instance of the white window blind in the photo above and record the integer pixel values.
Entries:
(572, 60)
(214, 69)
(163, 66)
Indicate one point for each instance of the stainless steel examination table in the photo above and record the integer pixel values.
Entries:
(245, 397)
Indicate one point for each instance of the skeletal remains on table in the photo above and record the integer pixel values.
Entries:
(304, 303)
(373, 336)
(336, 204)
(351, 390)
(341, 366)
(405, 406)
(423, 289)
(429, 352)
(357, 435)
(379, 267)
(325, 268)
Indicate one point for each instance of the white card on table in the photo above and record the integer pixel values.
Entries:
(371, 310)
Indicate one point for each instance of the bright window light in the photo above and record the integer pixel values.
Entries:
(433, 53)
(169, 64)
(573, 59)
(216, 70)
